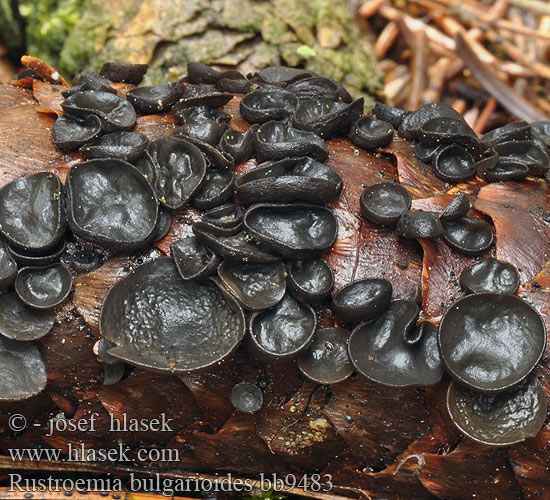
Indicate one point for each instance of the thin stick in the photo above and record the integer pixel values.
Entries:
(418, 71)
(535, 6)
(386, 39)
(460, 106)
(437, 80)
(481, 123)
(520, 29)
(510, 99)
(368, 9)
(470, 116)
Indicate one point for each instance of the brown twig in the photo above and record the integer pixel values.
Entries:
(510, 99)
(386, 39)
(418, 70)
(437, 78)
(535, 6)
(369, 8)
(481, 123)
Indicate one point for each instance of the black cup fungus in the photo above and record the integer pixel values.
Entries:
(490, 275)
(326, 360)
(247, 397)
(294, 230)
(193, 260)
(498, 419)
(491, 342)
(20, 322)
(255, 286)
(283, 331)
(384, 202)
(40, 226)
(110, 202)
(44, 287)
(379, 352)
(362, 300)
(22, 370)
(310, 280)
(161, 322)
(114, 112)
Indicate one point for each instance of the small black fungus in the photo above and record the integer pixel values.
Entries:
(216, 189)
(310, 280)
(287, 180)
(180, 168)
(213, 155)
(20, 322)
(199, 127)
(38, 258)
(40, 226)
(385, 202)
(283, 331)
(225, 217)
(415, 224)
(154, 100)
(114, 373)
(127, 146)
(394, 116)
(247, 397)
(193, 260)
(22, 370)
(524, 153)
(84, 261)
(362, 300)
(457, 208)
(197, 95)
(379, 352)
(276, 140)
(454, 164)
(510, 132)
(110, 202)
(268, 103)
(124, 72)
(411, 124)
(469, 236)
(326, 117)
(236, 246)
(44, 287)
(326, 360)
(163, 225)
(114, 112)
(89, 80)
(71, 133)
(8, 268)
(240, 145)
(491, 342)
(157, 320)
(256, 286)
(198, 73)
(370, 133)
(490, 275)
(293, 231)
(498, 419)
(282, 75)
(317, 87)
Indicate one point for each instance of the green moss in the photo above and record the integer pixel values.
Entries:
(48, 23)
(250, 34)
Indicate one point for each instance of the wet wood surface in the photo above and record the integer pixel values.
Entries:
(374, 441)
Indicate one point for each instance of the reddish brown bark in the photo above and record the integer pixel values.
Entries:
(389, 443)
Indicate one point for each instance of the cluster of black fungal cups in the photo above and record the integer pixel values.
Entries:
(253, 268)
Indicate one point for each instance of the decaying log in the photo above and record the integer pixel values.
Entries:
(375, 442)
